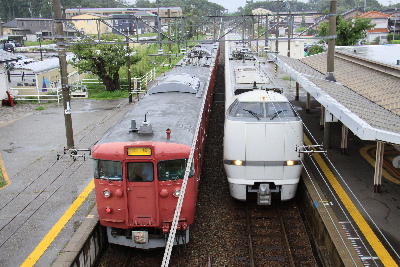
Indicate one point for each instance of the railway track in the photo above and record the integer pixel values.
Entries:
(271, 236)
(220, 236)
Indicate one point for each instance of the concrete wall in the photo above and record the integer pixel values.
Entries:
(332, 244)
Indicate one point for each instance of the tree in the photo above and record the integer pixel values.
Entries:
(103, 60)
(44, 8)
(143, 4)
(315, 49)
(348, 32)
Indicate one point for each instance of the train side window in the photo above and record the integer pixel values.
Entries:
(107, 169)
(173, 169)
(140, 172)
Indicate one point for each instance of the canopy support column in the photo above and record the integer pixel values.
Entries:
(380, 148)
(343, 142)
(308, 103)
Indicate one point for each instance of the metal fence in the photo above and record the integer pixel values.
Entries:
(138, 84)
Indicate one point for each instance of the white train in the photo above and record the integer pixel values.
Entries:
(261, 133)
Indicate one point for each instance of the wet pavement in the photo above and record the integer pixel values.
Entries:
(41, 187)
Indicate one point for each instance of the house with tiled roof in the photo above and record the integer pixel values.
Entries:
(378, 34)
(352, 13)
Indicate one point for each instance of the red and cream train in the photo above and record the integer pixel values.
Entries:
(139, 167)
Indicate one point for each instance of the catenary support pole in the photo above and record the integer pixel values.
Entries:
(330, 75)
(63, 73)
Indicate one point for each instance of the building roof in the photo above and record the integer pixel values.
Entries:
(374, 15)
(33, 19)
(365, 99)
(144, 14)
(119, 9)
(377, 30)
(45, 65)
(84, 16)
(11, 24)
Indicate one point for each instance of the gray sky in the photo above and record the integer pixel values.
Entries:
(232, 5)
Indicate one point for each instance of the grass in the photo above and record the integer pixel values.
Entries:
(2, 181)
(41, 107)
(101, 94)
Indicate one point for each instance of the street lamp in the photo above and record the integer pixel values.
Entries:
(39, 38)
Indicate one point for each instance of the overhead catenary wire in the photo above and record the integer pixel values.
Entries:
(171, 236)
(52, 165)
(281, 117)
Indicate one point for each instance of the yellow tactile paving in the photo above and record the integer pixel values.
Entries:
(52, 234)
(3, 171)
(364, 153)
(369, 234)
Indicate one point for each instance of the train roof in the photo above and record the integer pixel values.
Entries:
(261, 96)
(172, 102)
(247, 74)
(205, 49)
(179, 82)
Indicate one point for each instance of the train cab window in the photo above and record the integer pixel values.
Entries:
(140, 172)
(107, 170)
(262, 111)
(248, 110)
(173, 169)
(283, 109)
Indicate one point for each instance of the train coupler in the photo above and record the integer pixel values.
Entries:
(264, 195)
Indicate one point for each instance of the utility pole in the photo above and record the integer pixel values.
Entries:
(290, 29)
(128, 63)
(330, 75)
(169, 34)
(63, 73)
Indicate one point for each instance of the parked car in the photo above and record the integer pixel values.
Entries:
(9, 47)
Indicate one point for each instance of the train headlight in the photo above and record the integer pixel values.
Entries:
(292, 163)
(237, 162)
(177, 193)
(106, 193)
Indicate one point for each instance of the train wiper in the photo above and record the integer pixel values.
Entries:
(252, 113)
(276, 113)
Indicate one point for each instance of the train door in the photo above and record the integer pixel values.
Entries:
(141, 193)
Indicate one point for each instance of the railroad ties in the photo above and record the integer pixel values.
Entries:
(272, 236)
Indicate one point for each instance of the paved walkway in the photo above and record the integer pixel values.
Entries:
(41, 187)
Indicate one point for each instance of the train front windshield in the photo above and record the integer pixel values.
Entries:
(107, 170)
(141, 171)
(265, 111)
(173, 169)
